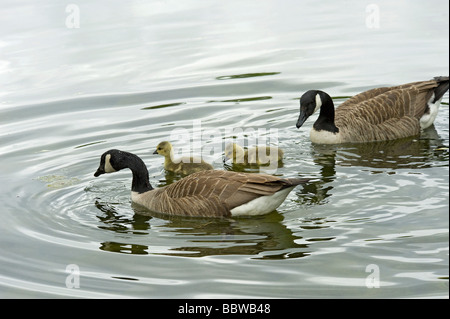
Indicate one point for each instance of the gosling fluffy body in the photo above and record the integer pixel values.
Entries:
(210, 193)
(379, 114)
(258, 155)
(183, 165)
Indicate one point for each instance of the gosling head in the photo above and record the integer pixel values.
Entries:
(310, 102)
(163, 148)
(111, 161)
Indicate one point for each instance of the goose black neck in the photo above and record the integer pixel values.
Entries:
(140, 183)
(325, 121)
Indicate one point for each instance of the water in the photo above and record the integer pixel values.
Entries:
(138, 73)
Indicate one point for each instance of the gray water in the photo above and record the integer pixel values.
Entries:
(111, 74)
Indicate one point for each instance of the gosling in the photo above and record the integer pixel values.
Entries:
(258, 155)
(183, 165)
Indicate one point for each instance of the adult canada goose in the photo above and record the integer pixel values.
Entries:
(211, 193)
(258, 155)
(183, 165)
(379, 114)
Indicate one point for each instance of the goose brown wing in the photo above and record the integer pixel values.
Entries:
(364, 96)
(407, 99)
(389, 113)
(215, 193)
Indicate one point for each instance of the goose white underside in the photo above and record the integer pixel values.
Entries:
(324, 137)
(428, 119)
(262, 205)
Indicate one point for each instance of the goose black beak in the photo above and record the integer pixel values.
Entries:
(155, 152)
(301, 119)
(99, 172)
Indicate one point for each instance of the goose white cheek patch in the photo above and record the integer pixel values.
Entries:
(108, 166)
(318, 103)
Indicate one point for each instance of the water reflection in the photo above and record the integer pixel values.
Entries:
(412, 152)
(251, 168)
(245, 75)
(246, 99)
(124, 248)
(318, 190)
(153, 107)
(264, 237)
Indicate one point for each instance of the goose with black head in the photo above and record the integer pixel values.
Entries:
(210, 193)
(380, 114)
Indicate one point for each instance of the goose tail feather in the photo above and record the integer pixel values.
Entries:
(443, 86)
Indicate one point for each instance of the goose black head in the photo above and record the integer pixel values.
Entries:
(111, 161)
(310, 102)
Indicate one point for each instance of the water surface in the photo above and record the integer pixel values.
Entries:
(135, 74)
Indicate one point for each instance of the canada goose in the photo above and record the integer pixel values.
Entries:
(211, 193)
(183, 165)
(258, 155)
(379, 114)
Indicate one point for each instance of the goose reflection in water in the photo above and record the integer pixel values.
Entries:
(265, 237)
(415, 152)
(412, 152)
